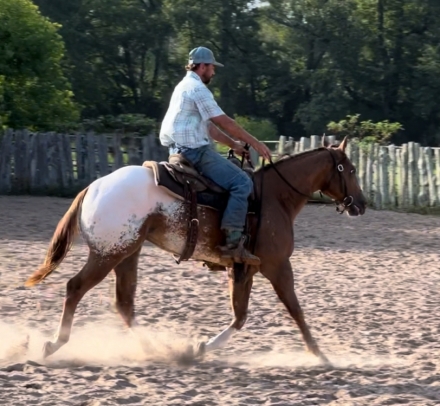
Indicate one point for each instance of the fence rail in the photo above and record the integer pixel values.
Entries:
(392, 177)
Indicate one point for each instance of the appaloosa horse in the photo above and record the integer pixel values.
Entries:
(118, 212)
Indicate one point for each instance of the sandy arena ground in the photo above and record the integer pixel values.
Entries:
(369, 287)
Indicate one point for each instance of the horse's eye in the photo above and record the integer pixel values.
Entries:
(353, 170)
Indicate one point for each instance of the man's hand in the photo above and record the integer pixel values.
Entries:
(231, 127)
(240, 149)
(262, 149)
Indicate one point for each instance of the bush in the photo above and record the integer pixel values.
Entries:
(261, 129)
(365, 131)
(128, 123)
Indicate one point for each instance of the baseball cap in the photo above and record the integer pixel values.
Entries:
(203, 55)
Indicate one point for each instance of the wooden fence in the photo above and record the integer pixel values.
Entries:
(62, 164)
(392, 177)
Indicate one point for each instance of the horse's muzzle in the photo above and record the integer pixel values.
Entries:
(351, 206)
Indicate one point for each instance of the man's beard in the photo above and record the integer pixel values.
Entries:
(206, 80)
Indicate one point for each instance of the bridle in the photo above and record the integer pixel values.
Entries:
(341, 206)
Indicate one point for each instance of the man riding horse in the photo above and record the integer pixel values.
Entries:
(188, 128)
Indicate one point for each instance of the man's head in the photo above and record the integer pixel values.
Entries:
(201, 61)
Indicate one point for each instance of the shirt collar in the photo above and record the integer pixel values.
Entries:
(191, 74)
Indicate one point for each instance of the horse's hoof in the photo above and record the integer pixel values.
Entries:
(200, 350)
(325, 361)
(48, 349)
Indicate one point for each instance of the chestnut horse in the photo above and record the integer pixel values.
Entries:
(116, 213)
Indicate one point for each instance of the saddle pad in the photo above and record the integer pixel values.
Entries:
(164, 178)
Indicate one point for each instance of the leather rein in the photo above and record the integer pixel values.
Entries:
(345, 203)
(341, 206)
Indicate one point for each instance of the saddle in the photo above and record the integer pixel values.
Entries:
(184, 182)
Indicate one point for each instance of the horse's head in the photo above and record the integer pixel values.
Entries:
(343, 185)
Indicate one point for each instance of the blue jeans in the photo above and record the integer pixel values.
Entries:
(224, 173)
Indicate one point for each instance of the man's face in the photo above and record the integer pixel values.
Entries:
(207, 73)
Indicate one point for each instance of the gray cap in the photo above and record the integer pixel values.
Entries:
(203, 55)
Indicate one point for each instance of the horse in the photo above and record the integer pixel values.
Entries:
(118, 212)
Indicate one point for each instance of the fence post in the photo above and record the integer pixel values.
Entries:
(361, 169)
(314, 141)
(91, 157)
(383, 163)
(304, 144)
(437, 171)
(133, 156)
(411, 174)
(354, 153)
(102, 146)
(369, 173)
(404, 176)
(376, 177)
(62, 164)
(423, 191)
(432, 192)
(392, 176)
(281, 144)
(5, 161)
(117, 159)
(290, 145)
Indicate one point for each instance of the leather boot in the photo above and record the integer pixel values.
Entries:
(235, 251)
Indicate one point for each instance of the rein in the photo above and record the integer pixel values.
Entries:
(340, 169)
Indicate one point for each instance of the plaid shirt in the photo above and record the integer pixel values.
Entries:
(186, 121)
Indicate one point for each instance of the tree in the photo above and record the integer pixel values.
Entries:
(298, 63)
(118, 53)
(34, 92)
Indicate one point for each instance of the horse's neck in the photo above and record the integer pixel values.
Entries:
(306, 173)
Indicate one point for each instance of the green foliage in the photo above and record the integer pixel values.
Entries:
(128, 123)
(365, 131)
(34, 92)
(290, 63)
(262, 129)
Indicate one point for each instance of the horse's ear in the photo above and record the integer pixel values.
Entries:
(343, 144)
(324, 141)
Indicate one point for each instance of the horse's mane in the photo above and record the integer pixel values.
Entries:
(289, 158)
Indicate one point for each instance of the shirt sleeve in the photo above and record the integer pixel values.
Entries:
(206, 104)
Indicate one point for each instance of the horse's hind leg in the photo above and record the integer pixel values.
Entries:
(126, 281)
(239, 291)
(93, 272)
(281, 278)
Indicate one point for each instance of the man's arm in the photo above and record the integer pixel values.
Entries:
(209, 110)
(219, 136)
(231, 127)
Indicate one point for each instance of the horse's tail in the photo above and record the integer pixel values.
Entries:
(61, 242)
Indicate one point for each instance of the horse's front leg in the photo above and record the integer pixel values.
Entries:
(281, 278)
(240, 285)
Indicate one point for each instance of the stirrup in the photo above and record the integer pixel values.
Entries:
(239, 254)
(214, 267)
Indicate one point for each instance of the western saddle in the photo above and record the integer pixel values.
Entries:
(184, 182)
